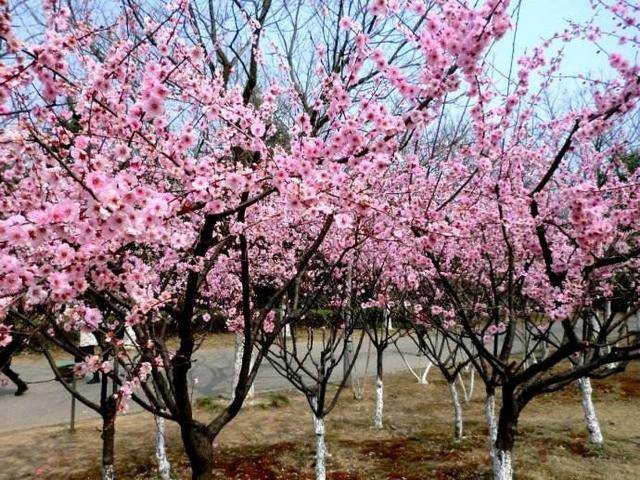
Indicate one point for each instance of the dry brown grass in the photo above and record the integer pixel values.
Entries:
(269, 443)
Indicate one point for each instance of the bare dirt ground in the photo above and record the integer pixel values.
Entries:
(273, 439)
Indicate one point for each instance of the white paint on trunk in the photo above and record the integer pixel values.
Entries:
(286, 330)
(252, 388)
(164, 467)
(377, 419)
(458, 410)
(388, 321)
(423, 378)
(108, 473)
(464, 388)
(321, 449)
(492, 425)
(593, 425)
(502, 467)
(237, 366)
(237, 362)
(472, 382)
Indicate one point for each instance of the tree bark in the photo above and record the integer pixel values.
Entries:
(457, 407)
(388, 322)
(237, 366)
(321, 449)
(198, 447)
(463, 387)
(108, 439)
(237, 362)
(506, 436)
(164, 467)
(502, 467)
(472, 382)
(377, 419)
(492, 425)
(593, 425)
(423, 378)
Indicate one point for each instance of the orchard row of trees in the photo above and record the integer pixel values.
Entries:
(262, 160)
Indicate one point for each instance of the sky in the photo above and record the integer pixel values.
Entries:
(540, 19)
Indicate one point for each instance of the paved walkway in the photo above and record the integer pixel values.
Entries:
(48, 403)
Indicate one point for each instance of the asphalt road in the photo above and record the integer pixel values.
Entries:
(48, 403)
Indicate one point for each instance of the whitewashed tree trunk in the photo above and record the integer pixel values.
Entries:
(237, 365)
(607, 316)
(472, 382)
(502, 467)
(492, 424)
(237, 362)
(164, 467)
(108, 473)
(252, 389)
(346, 364)
(423, 379)
(387, 320)
(593, 425)
(377, 419)
(457, 409)
(286, 331)
(464, 388)
(321, 449)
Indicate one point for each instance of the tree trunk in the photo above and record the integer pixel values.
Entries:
(463, 387)
(346, 364)
(164, 467)
(388, 322)
(286, 330)
(492, 425)
(108, 439)
(321, 449)
(502, 467)
(506, 436)
(237, 365)
(237, 362)
(198, 447)
(457, 409)
(423, 378)
(472, 382)
(593, 425)
(377, 419)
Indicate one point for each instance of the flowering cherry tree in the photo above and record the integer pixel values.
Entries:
(162, 162)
